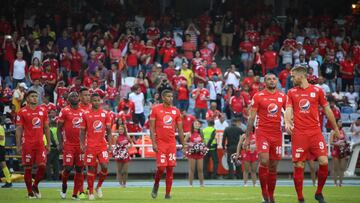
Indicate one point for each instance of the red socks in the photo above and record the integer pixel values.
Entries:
(263, 177)
(90, 181)
(27, 178)
(271, 184)
(64, 177)
(169, 179)
(158, 174)
(102, 177)
(322, 176)
(77, 182)
(81, 182)
(298, 181)
(39, 174)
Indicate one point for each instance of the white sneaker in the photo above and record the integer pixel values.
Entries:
(245, 185)
(223, 58)
(91, 197)
(99, 192)
(62, 195)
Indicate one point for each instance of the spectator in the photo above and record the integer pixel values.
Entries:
(347, 70)
(214, 69)
(329, 70)
(270, 60)
(286, 52)
(314, 64)
(35, 70)
(139, 100)
(246, 50)
(111, 95)
(114, 75)
(132, 60)
(182, 95)
(188, 74)
(76, 62)
(323, 86)
(19, 69)
(352, 97)
(188, 47)
(168, 53)
(232, 77)
(237, 105)
(201, 96)
(194, 33)
(220, 122)
(215, 87)
(209, 134)
(212, 113)
(39, 89)
(115, 53)
(92, 63)
(227, 33)
(64, 41)
(18, 96)
(355, 132)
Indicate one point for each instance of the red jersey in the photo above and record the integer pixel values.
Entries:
(289, 42)
(50, 106)
(129, 104)
(356, 53)
(237, 104)
(152, 32)
(76, 62)
(206, 54)
(349, 67)
(111, 93)
(151, 52)
(337, 115)
(213, 71)
(305, 104)
(183, 92)
(283, 76)
(188, 121)
(268, 107)
(212, 115)
(170, 72)
(270, 60)
(71, 118)
(202, 98)
(168, 54)
(200, 71)
(246, 46)
(35, 72)
(323, 43)
(165, 119)
(84, 107)
(126, 117)
(95, 123)
(32, 121)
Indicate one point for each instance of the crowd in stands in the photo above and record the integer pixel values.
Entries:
(58, 49)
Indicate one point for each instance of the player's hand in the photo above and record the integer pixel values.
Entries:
(19, 149)
(289, 127)
(155, 147)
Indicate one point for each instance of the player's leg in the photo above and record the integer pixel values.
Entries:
(336, 168)
(28, 158)
(343, 164)
(64, 178)
(41, 163)
(191, 170)
(263, 148)
(169, 180)
(90, 161)
(103, 158)
(200, 169)
(299, 152)
(124, 173)
(246, 172)
(161, 163)
(311, 164)
(272, 179)
(253, 167)
(299, 179)
(79, 182)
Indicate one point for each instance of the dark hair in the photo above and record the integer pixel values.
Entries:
(166, 91)
(192, 126)
(30, 92)
(211, 123)
(83, 89)
(95, 95)
(235, 120)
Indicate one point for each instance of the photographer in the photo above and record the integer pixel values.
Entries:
(164, 85)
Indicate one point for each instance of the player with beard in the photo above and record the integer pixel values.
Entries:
(94, 129)
(302, 123)
(164, 119)
(32, 123)
(266, 106)
(85, 99)
(68, 135)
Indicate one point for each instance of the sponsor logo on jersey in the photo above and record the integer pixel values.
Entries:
(76, 122)
(312, 94)
(272, 109)
(304, 105)
(97, 125)
(167, 120)
(36, 122)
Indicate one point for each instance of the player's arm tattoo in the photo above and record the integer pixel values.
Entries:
(18, 135)
(250, 125)
(181, 133)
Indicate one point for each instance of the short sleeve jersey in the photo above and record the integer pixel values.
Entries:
(268, 107)
(32, 122)
(166, 120)
(95, 123)
(305, 104)
(71, 118)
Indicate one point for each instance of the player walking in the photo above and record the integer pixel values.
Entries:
(302, 123)
(32, 123)
(69, 140)
(164, 119)
(95, 127)
(267, 105)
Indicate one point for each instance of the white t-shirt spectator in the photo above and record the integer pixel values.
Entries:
(231, 78)
(138, 100)
(220, 125)
(352, 98)
(315, 65)
(287, 57)
(19, 69)
(355, 133)
(214, 88)
(325, 87)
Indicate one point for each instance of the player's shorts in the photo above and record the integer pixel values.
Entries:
(94, 154)
(72, 155)
(166, 155)
(33, 154)
(311, 157)
(250, 156)
(303, 144)
(269, 144)
(2, 153)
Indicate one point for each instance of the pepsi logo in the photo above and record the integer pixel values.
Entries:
(36, 122)
(76, 122)
(304, 104)
(97, 125)
(167, 120)
(272, 108)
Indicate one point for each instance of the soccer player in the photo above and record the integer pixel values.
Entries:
(164, 118)
(68, 135)
(267, 105)
(85, 99)
(32, 123)
(302, 123)
(4, 167)
(94, 128)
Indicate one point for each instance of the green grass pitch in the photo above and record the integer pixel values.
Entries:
(284, 194)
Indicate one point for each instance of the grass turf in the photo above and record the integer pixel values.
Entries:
(283, 194)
